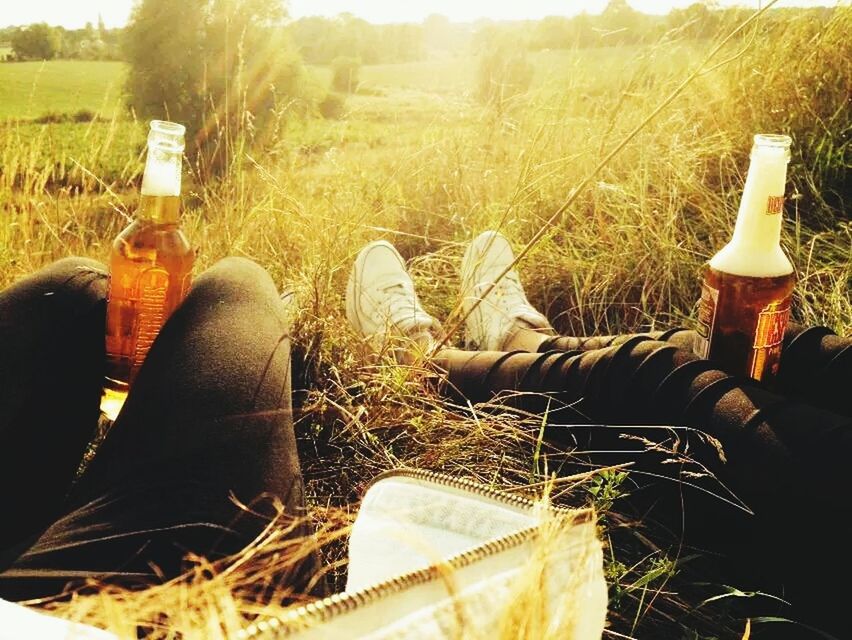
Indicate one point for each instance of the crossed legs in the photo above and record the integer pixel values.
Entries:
(207, 425)
(751, 454)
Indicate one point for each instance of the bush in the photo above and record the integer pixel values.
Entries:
(51, 117)
(84, 115)
(346, 74)
(55, 117)
(332, 106)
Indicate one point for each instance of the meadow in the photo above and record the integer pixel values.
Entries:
(417, 160)
(30, 90)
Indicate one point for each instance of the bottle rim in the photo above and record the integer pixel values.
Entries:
(168, 128)
(774, 140)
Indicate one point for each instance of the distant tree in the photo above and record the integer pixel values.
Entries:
(164, 45)
(321, 40)
(402, 42)
(623, 22)
(36, 42)
(437, 31)
(699, 20)
(218, 66)
(312, 36)
(584, 32)
(551, 32)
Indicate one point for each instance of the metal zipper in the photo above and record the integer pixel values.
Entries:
(319, 612)
(470, 486)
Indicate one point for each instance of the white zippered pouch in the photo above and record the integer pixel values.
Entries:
(435, 557)
(18, 622)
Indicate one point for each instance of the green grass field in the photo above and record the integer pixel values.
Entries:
(29, 90)
(417, 160)
(457, 75)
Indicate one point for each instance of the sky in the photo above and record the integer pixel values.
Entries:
(75, 13)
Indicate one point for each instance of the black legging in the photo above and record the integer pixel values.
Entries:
(208, 419)
(606, 399)
(816, 364)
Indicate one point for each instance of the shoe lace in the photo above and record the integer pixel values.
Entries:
(400, 306)
(508, 294)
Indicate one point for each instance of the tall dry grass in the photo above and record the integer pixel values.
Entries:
(429, 172)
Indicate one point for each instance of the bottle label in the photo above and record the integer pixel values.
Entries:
(152, 287)
(774, 205)
(768, 338)
(706, 320)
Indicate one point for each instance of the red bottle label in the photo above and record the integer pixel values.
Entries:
(774, 205)
(768, 338)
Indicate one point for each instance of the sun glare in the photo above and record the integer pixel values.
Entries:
(116, 12)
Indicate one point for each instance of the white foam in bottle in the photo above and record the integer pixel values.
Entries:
(755, 249)
(163, 164)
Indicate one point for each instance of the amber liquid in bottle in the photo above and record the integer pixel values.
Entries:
(150, 274)
(744, 318)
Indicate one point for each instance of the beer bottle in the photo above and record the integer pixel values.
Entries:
(150, 265)
(745, 298)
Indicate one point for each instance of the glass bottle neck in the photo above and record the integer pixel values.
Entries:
(161, 183)
(760, 214)
(159, 209)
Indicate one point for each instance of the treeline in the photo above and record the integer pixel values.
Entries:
(620, 24)
(322, 40)
(43, 42)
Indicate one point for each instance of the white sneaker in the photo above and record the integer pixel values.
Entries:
(506, 307)
(380, 297)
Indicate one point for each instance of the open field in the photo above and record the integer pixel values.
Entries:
(88, 154)
(416, 160)
(457, 75)
(30, 90)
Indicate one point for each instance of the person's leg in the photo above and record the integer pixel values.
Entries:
(744, 448)
(816, 363)
(481, 375)
(51, 375)
(498, 315)
(207, 423)
(733, 446)
(382, 306)
(784, 459)
(816, 366)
